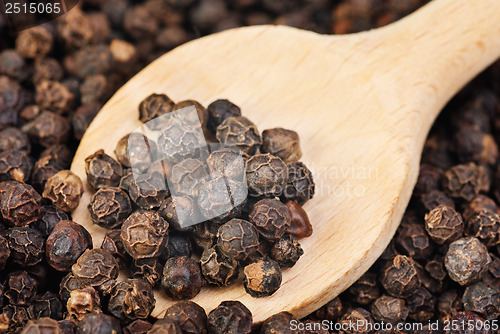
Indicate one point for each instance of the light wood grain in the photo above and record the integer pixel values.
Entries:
(362, 104)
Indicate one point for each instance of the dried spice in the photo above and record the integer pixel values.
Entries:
(131, 299)
(13, 65)
(149, 269)
(94, 88)
(218, 269)
(15, 166)
(154, 106)
(187, 177)
(26, 245)
(278, 323)
(421, 305)
(64, 189)
(68, 284)
(165, 326)
(15, 318)
(413, 240)
(178, 138)
(43, 325)
(240, 132)
(230, 317)
(227, 161)
(46, 305)
(45, 69)
(35, 42)
(271, 218)
(262, 278)
(484, 225)
(182, 278)
(357, 316)
(4, 252)
(389, 309)
(48, 129)
(49, 217)
(219, 111)
(300, 186)
(483, 299)
(471, 144)
(282, 143)
(191, 317)
(178, 245)
(82, 118)
(53, 96)
(266, 175)
(300, 226)
(147, 190)
(466, 181)
(399, 276)
(480, 202)
(428, 180)
(13, 139)
(467, 260)
(174, 207)
(237, 239)
(67, 241)
(435, 198)
(92, 60)
(144, 234)
(102, 170)
(205, 234)
(286, 251)
(19, 203)
(465, 318)
(96, 268)
(82, 302)
(135, 150)
(137, 327)
(22, 288)
(365, 290)
(200, 110)
(331, 310)
(448, 304)
(113, 242)
(109, 207)
(444, 224)
(100, 323)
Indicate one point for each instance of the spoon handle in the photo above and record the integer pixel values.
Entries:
(440, 48)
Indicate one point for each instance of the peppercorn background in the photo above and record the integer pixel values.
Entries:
(442, 264)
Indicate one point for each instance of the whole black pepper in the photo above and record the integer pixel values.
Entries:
(96, 268)
(147, 190)
(465, 318)
(483, 299)
(47, 129)
(165, 326)
(49, 217)
(19, 203)
(230, 317)
(46, 305)
(271, 218)
(286, 251)
(389, 310)
(82, 302)
(113, 242)
(205, 234)
(131, 299)
(92, 60)
(43, 325)
(137, 327)
(428, 180)
(421, 305)
(53, 96)
(13, 65)
(357, 316)
(98, 324)
(484, 225)
(448, 304)
(191, 317)
(220, 110)
(74, 29)
(67, 241)
(154, 106)
(444, 224)
(140, 23)
(365, 290)
(60, 154)
(187, 177)
(26, 245)
(413, 241)
(179, 139)
(218, 269)
(179, 245)
(68, 284)
(266, 174)
(136, 150)
(182, 278)
(467, 260)
(466, 181)
(434, 198)
(13, 318)
(480, 202)
(82, 118)
(173, 208)
(240, 132)
(237, 239)
(300, 186)
(331, 310)
(282, 143)
(13, 139)
(279, 323)
(15, 166)
(4, 252)
(262, 277)
(227, 161)
(21, 288)
(149, 269)
(35, 42)
(102, 170)
(399, 276)
(64, 189)
(109, 207)
(46, 69)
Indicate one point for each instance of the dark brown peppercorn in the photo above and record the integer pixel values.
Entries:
(182, 278)
(64, 189)
(400, 276)
(413, 240)
(421, 305)
(137, 327)
(4, 253)
(286, 251)
(44, 169)
(96, 268)
(444, 224)
(154, 106)
(82, 118)
(470, 144)
(227, 161)
(467, 260)
(480, 202)
(74, 29)
(220, 110)
(53, 96)
(42, 326)
(466, 181)
(449, 303)
(131, 299)
(266, 175)
(357, 316)
(13, 100)
(282, 143)
(389, 310)
(187, 177)
(165, 326)
(262, 278)
(45, 69)
(230, 317)
(147, 190)
(174, 207)
(46, 305)
(190, 316)
(239, 132)
(26, 245)
(135, 150)
(300, 226)
(200, 110)
(13, 65)
(237, 239)
(217, 268)
(179, 245)
(65, 244)
(68, 284)
(428, 180)
(271, 218)
(205, 234)
(35, 42)
(102, 170)
(435, 198)
(144, 234)
(93, 60)
(484, 225)
(48, 129)
(19, 203)
(109, 207)
(82, 302)
(330, 311)
(483, 299)
(466, 318)
(95, 88)
(148, 269)
(114, 244)
(21, 288)
(15, 165)
(15, 317)
(140, 23)
(59, 154)
(49, 217)
(179, 139)
(300, 186)
(13, 139)
(365, 290)
(98, 324)
(279, 323)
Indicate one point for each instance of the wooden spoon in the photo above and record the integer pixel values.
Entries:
(362, 105)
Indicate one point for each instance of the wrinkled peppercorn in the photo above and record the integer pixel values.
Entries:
(218, 269)
(484, 225)
(266, 175)
(179, 139)
(15, 317)
(131, 299)
(182, 278)
(154, 106)
(205, 234)
(4, 253)
(449, 303)
(68, 284)
(191, 317)
(466, 181)
(65, 244)
(13, 65)
(136, 150)
(113, 242)
(187, 177)
(100, 323)
(45, 69)
(165, 326)
(53, 96)
(178, 245)
(82, 118)
(467, 260)
(421, 305)
(177, 211)
(230, 317)
(262, 278)
(237, 239)
(109, 207)
(300, 226)
(389, 309)
(435, 198)
(271, 218)
(43, 325)
(49, 217)
(35, 42)
(102, 170)
(414, 241)
(137, 327)
(144, 234)
(357, 316)
(219, 111)
(365, 290)
(480, 202)
(444, 224)
(282, 143)
(26, 245)
(240, 132)
(200, 110)
(149, 269)
(44, 169)
(221, 199)
(92, 60)
(82, 302)
(19, 203)
(331, 310)
(64, 189)
(227, 161)
(13, 139)
(46, 305)
(278, 323)
(21, 288)
(300, 186)
(466, 318)
(428, 180)
(147, 190)
(96, 268)
(48, 129)
(399, 276)
(15, 166)
(286, 251)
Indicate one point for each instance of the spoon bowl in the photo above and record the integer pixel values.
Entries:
(362, 105)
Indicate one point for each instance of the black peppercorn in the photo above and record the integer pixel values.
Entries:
(262, 277)
(64, 189)
(94, 323)
(467, 260)
(357, 316)
(26, 245)
(46, 305)
(331, 310)
(300, 186)
(389, 310)
(74, 29)
(178, 211)
(421, 305)
(49, 217)
(483, 299)
(19, 203)
(96, 268)
(434, 198)
(148, 269)
(484, 225)
(178, 245)
(220, 110)
(449, 303)
(400, 277)
(266, 175)
(102, 170)
(43, 325)
(136, 150)
(444, 224)
(466, 181)
(15, 166)
(300, 226)
(82, 302)
(109, 207)
(154, 106)
(480, 202)
(53, 96)
(205, 234)
(413, 240)
(48, 129)
(237, 239)
(282, 143)
(218, 269)
(82, 118)
(144, 234)
(4, 253)
(187, 177)
(13, 139)
(131, 299)
(22, 288)
(279, 323)
(239, 132)
(67, 241)
(271, 218)
(46, 69)
(230, 317)
(140, 23)
(365, 290)
(147, 190)
(227, 161)
(92, 60)
(179, 139)
(200, 110)
(190, 316)
(13, 65)
(14, 318)
(182, 278)
(137, 327)
(68, 284)
(286, 251)
(467, 318)
(35, 42)
(165, 326)
(113, 242)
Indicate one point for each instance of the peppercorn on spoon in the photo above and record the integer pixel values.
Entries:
(362, 105)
